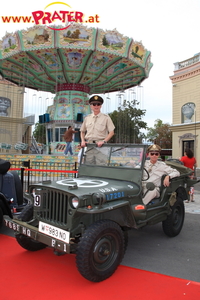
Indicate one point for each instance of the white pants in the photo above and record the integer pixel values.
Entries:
(150, 195)
(96, 156)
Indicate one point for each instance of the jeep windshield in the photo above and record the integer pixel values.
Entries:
(112, 155)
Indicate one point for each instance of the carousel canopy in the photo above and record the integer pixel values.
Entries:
(79, 57)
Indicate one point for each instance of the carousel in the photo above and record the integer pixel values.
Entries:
(72, 64)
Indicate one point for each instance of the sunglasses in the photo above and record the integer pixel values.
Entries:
(95, 104)
(154, 153)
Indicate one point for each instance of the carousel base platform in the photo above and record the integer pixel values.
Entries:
(39, 158)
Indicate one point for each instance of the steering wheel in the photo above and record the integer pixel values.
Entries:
(147, 175)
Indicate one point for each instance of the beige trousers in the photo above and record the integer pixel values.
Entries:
(96, 156)
(150, 195)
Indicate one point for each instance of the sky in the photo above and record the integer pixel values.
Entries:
(167, 28)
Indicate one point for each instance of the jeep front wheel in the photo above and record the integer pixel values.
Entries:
(100, 250)
(174, 222)
(25, 241)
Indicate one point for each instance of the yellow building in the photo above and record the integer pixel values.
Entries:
(15, 130)
(186, 107)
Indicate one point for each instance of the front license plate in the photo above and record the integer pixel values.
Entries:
(54, 232)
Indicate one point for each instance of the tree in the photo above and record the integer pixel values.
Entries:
(160, 134)
(128, 123)
(68, 33)
(75, 34)
(10, 42)
(40, 133)
(105, 42)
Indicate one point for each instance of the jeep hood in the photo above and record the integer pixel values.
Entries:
(88, 185)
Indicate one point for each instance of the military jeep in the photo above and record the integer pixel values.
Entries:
(91, 215)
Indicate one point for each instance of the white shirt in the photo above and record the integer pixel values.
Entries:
(157, 170)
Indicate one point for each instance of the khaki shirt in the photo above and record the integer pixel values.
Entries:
(97, 127)
(157, 170)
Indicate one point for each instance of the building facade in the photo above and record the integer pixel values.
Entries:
(186, 107)
(15, 130)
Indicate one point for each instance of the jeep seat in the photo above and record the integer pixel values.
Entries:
(162, 187)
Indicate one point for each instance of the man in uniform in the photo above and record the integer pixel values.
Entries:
(97, 128)
(156, 169)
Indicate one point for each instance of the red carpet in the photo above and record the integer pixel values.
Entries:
(42, 275)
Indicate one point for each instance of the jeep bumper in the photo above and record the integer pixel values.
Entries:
(32, 232)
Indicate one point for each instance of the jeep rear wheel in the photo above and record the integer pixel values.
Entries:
(25, 241)
(100, 250)
(174, 222)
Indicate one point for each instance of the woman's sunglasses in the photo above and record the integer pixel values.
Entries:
(95, 104)
(154, 153)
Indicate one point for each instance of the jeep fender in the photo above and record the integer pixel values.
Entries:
(123, 216)
(181, 193)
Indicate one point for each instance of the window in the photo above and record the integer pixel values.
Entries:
(62, 132)
(188, 112)
(59, 134)
(50, 135)
(188, 144)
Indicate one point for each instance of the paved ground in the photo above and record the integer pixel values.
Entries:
(149, 249)
(194, 207)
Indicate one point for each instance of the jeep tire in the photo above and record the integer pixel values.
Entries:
(100, 250)
(18, 187)
(25, 241)
(174, 222)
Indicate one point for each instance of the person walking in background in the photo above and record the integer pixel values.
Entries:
(68, 138)
(189, 161)
(97, 128)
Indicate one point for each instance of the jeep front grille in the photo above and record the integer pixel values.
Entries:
(54, 207)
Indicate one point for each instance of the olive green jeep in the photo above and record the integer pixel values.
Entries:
(90, 215)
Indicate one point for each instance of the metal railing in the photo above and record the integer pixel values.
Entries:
(42, 171)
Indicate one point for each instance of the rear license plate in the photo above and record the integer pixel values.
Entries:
(54, 232)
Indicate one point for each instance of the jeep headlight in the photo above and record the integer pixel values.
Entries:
(75, 202)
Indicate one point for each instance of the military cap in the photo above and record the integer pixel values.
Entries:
(96, 98)
(154, 148)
